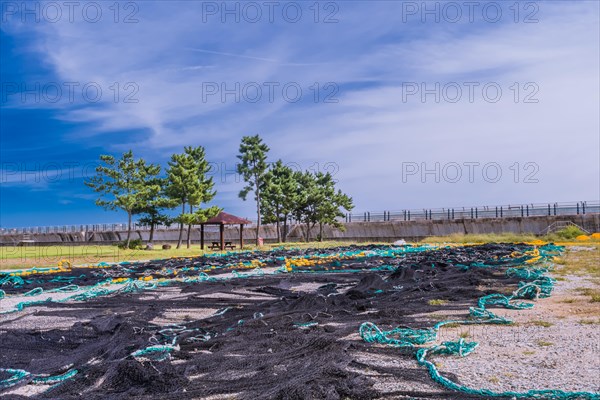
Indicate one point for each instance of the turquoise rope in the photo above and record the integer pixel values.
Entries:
(64, 289)
(20, 376)
(17, 376)
(12, 280)
(51, 380)
(155, 353)
(304, 325)
(34, 292)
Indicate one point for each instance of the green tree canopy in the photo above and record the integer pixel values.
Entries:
(318, 202)
(153, 213)
(189, 185)
(278, 196)
(329, 211)
(125, 184)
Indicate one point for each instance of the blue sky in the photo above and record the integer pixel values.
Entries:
(376, 123)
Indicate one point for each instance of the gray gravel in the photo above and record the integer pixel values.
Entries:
(564, 355)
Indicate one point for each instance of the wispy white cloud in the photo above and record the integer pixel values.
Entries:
(371, 130)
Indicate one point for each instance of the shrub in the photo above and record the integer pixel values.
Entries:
(545, 324)
(437, 302)
(569, 233)
(133, 244)
(452, 325)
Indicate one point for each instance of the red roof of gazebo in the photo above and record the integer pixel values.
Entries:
(226, 219)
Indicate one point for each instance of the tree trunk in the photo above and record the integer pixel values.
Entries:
(320, 231)
(128, 230)
(284, 238)
(151, 238)
(181, 226)
(257, 211)
(307, 232)
(189, 242)
(277, 226)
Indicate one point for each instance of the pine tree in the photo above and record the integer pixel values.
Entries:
(189, 185)
(153, 213)
(329, 210)
(126, 184)
(317, 201)
(253, 167)
(278, 196)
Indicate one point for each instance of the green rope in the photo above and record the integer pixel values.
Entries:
(17, 376)
(20, 376)
(526, 273)
(51, 380)
(20, 306)
(154, 353)
(398, 337)
(221, 311)
(483, 316)
(305, 325)
(136, 286)
(34, 292)
(502, 300)
(204, 277)
(66, 279)
(64, 289)
(12, 280)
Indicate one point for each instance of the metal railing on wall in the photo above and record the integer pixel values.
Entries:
(80, 228)
(502, 211)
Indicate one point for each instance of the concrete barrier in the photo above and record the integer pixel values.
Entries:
(388, 231)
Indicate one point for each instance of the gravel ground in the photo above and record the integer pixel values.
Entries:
(555, 345)
(534, 354)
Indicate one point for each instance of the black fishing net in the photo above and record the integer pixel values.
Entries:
(282, 336)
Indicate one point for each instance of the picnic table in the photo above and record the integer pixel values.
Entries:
(217, 245)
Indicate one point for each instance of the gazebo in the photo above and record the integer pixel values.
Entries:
(223, 219)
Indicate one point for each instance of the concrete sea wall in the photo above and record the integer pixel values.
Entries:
(388, 231)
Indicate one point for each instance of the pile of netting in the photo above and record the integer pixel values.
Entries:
(264, 325)
(91, 281)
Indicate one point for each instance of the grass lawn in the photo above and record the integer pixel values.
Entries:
(580, 262)
(12, 257)
(506, 238)
(481, 238)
